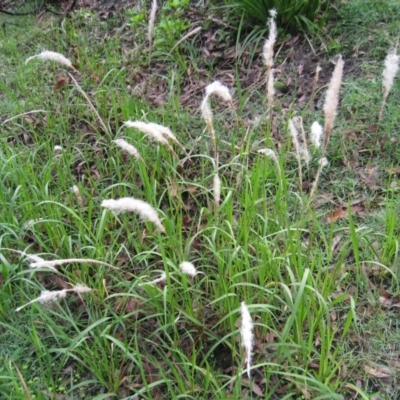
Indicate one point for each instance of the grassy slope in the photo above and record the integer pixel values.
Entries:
(316, 290)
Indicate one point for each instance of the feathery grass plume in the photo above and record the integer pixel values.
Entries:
(46, 296)
(268, 56)
(388, 75)
(129, 204)
(81, 288)
(323, 162)
(269, 153)
(314, 86)
(247, 335)
(152, 130)
(52, 56)
(161, 279)
(148, 129)
(208, 118)
(167, 133)
(38, 262)
(305, 155)
(332, 100)
(128, 148)
(218, 89)
(35, 260)
(217, 190)
(77, 193)
(152, 19)
(268, 49)
(316, 134)
(53, 263)
(188, 268)
(294, 134)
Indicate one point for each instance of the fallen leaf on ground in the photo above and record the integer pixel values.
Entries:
(344, 212)
(393, 170)
(377, 371)
(60, 83)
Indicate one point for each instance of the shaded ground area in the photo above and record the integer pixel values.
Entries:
(219, 57)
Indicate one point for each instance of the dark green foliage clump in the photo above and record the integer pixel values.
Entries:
(290, 14)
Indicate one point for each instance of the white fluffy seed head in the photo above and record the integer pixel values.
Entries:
(217, 189)
(316, 134)
(220, 90)
(206, 110)
(52, 56)
(40, 263)
(389, 72)
(269, 153)
(81, 288)
(293, 132)
(332, 96)
(161, 279)
(128, 148)
(152, 20)
(247, 334)
(323, 162)
(47, 296)
(295, 138)
(149, 129)
(165, 131)
(129, 204)
(188, 268)
(268, 49)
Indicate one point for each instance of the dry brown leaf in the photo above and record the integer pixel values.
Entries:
(370, 177)
(60, 83)
(393, 170)
(377, 371)
(336, 215)
(60, 283)
(344, 212)
(335, 242)
(256, 389)
(388, 300)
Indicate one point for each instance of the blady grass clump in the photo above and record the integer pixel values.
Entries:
(230, 299)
